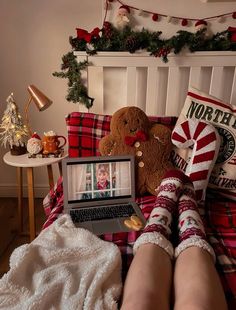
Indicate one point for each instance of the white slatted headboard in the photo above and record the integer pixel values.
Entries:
(117, 79)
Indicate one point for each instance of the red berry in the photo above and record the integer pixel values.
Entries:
(184, 22)
(155, 17)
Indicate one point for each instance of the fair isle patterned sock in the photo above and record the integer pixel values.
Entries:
(157, 229)
(191, 228)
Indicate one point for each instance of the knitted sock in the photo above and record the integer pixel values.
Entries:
(191, 228)
(157, 229)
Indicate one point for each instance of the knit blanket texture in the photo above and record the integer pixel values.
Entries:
(63, 268)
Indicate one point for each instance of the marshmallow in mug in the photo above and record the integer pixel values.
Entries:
(50, 133)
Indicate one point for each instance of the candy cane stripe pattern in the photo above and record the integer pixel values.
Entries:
(206, 143)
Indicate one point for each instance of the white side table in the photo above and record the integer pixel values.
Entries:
(20, 162)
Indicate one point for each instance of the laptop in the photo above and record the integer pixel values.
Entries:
(99, 192)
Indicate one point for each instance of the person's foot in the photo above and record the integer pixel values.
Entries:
(190, 225)
(158, 226)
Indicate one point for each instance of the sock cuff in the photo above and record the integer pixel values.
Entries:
(195, 241)
(154, 238)
(174, 173)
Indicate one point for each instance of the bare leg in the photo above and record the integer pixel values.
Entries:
(196, 282)
(148, 282)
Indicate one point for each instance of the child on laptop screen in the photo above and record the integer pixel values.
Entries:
(103, 182)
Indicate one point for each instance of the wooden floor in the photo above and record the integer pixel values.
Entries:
(9, 237)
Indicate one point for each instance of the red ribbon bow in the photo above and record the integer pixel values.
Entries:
(140, 136)
(87, 36)
(232, 31)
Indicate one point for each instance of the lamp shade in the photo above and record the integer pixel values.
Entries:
(41, 101)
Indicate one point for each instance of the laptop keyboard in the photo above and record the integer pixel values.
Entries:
(101, 213)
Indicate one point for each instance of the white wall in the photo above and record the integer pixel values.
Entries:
(34, 35)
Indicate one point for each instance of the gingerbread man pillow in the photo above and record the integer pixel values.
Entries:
(133, 134)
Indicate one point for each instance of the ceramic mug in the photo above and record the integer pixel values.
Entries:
(51, 143)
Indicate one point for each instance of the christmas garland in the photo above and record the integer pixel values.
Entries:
(71, 69)
(110, 38)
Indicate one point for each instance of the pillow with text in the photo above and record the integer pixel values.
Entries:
(202, 106)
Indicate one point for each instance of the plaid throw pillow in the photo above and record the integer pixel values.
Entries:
(84, 133)
(86, 129)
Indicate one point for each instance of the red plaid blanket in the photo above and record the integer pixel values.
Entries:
(84, 132)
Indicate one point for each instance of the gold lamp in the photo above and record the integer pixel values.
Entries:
(41, 101)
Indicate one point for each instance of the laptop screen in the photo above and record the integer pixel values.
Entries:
(98, 179)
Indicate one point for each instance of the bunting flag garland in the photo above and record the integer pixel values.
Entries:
(184, 21)
(108, 37)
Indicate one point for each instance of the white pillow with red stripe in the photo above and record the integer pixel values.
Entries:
(201, 106)
(205, 142)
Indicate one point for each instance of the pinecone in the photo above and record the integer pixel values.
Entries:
(107, 30)
(107, 33)
(132, 44)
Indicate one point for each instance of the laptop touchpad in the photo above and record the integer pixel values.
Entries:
(105, 227)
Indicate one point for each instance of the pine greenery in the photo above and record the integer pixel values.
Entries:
(112, 39)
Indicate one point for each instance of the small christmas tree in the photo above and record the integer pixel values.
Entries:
(12, 129)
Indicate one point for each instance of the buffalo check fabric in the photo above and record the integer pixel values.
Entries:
(84, 133)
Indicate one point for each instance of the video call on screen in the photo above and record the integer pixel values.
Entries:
(101, 180)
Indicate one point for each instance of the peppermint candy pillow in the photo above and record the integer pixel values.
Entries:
(201, 106)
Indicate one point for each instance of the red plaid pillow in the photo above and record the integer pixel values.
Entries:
(86, 129)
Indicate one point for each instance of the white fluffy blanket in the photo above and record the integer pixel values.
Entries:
(63, 268)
